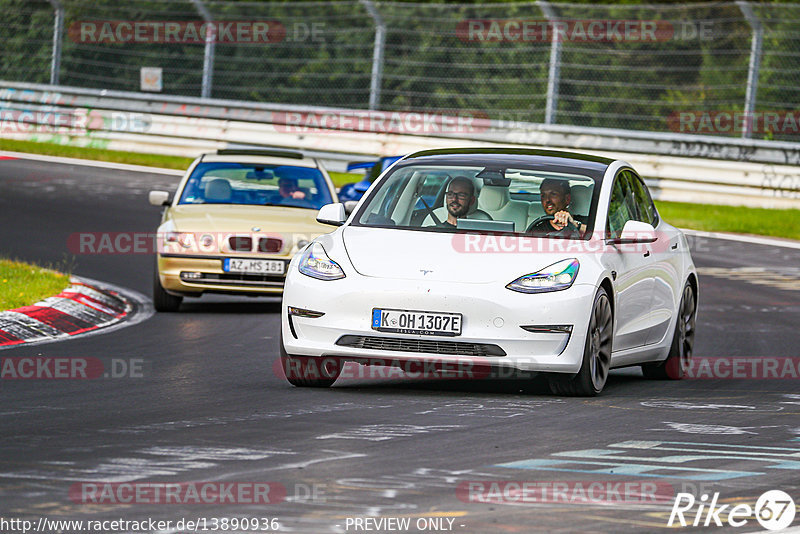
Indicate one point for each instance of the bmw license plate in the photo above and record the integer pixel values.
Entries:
(235, 265)
(416, 322)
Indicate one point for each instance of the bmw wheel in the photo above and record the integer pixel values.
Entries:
(163, 301)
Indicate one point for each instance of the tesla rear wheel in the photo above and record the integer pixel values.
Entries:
(677, 363)
(592, 376)
(163, 301)
(309, 372)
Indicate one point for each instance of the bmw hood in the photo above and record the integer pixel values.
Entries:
(239, 218)
(449, 257)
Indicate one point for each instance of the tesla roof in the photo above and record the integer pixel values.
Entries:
(511, 156)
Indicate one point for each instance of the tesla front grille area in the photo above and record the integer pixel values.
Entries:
(420, 345)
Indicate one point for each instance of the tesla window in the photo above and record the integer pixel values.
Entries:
(265, 185)
(508, 200)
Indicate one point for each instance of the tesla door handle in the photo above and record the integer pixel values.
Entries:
(674, 246)
(646, 254)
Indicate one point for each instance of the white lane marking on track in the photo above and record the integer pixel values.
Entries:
(386, 432)
(756, 240)
(683, 405)
(148, 463)
(788, 279)
(698, 428)
(258, 416)
(92, 163)
(472, 409)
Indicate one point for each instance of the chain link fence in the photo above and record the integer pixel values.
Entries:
(688, 68)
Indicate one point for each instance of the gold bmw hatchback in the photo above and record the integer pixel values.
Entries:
(235, 222)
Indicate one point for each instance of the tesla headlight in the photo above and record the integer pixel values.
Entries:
(315, 263)
(555, 277)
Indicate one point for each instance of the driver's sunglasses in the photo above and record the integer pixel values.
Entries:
(459, 196)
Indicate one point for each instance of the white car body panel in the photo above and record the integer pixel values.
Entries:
(424, 271)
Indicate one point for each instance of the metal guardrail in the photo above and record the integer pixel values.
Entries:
(602, 64)
(677, 166)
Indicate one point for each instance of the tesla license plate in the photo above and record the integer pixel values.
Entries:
(234, 265)
(416, 322)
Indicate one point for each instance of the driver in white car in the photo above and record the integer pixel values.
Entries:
(555, 195)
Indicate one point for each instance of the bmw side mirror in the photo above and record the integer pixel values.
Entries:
(635, 232)
(332, 214)
(159, 198)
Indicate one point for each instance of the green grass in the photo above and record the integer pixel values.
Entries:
(341, 178)
(22, 284)
(100, 154)
(133, 158)
(741, 220)
(734, 219)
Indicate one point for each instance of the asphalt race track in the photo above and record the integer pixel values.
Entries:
(207, 405)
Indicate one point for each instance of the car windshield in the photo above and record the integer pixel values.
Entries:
(489, 199)
(256, 184)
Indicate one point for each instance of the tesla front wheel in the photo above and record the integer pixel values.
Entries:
(309, 372)
(677, 363)
(592, 376)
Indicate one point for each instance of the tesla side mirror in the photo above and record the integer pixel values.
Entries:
(332, 214)
(349, 206)
(635, 232)
(159, 198)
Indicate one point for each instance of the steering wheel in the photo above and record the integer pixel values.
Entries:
(548, 218)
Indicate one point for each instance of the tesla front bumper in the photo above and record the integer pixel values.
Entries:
(542, 332)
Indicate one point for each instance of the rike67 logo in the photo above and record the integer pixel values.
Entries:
(774, 510)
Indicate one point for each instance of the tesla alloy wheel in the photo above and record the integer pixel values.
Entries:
(596, 354)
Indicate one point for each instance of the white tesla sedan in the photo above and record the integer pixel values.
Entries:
(508, 259)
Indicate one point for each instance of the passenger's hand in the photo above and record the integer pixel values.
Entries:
(299, 195)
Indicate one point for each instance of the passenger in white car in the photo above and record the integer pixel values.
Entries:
(459, 200)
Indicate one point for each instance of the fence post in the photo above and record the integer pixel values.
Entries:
(377, 55)
(554, 72)
(208, 51)
(58, 33)
(753, 67)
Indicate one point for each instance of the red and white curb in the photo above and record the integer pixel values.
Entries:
(81, 308)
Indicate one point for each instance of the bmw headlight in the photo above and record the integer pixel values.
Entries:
(184, 239)
(315, 263)
(555, 277)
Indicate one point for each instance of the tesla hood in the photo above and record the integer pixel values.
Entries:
(433, 256)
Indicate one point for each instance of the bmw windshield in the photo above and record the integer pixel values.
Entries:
(256, 184)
